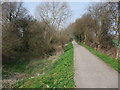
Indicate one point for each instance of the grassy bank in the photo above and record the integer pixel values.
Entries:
(110, 61)
(60, 75)
(22, 68)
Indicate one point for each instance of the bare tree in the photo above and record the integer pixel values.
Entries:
(100, 13)
(53, 12)
(114, 10)
(12, 11)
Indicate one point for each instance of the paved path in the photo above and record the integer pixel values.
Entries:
(91, 72)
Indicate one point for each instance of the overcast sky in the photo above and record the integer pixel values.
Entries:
(78, 9)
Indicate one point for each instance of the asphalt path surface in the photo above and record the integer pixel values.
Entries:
(91, 72)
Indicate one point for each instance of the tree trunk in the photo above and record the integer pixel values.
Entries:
(85, 39)
(98, 46)
(98, 42)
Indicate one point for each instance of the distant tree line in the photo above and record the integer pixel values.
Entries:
(99, 28)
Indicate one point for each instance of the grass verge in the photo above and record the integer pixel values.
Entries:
(59, 76)
(110, 61)
(23, 66)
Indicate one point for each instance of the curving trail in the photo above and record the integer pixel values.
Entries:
(91, 72)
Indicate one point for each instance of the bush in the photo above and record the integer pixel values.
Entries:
(39, 44)
(11, 41)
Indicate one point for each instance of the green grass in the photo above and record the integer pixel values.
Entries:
(59, 76)
(110, 61)
(69, 46)
(24, 66)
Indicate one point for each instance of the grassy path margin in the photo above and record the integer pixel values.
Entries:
(59, 76)
(110, 61)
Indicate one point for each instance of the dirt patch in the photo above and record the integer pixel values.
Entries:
(9, 80)
(110, 52)
(58, 52)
